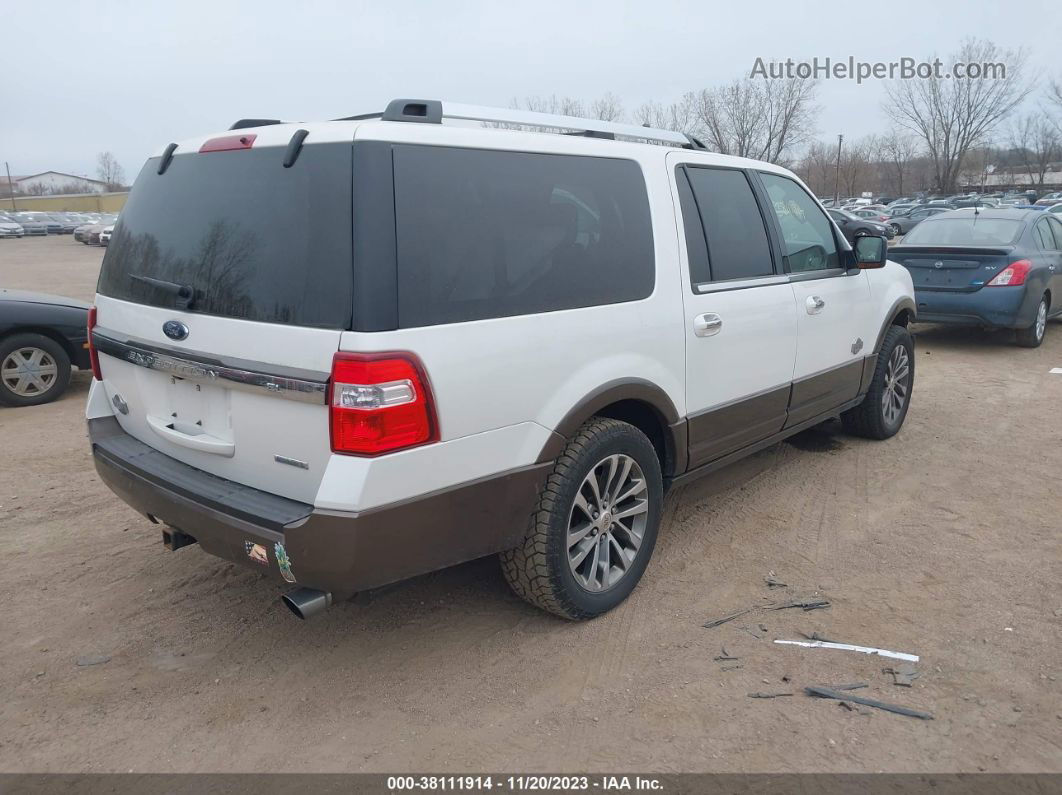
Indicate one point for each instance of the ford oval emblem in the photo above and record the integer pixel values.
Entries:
(175, 330)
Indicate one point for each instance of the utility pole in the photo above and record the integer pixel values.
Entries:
(10, 186)
(837, 172)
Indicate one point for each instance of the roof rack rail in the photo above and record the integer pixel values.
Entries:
(243, 124)
(433, 111)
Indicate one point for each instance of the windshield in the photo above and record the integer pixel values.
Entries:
(964, 230)
(253, 239)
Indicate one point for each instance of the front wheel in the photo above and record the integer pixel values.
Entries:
(895, 229)
(1033, 336)
(883, 410)
(595, 526)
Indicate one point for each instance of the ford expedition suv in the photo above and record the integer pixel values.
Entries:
(351, 352)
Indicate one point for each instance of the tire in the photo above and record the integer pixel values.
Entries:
(871, 418)
(896, 231)
(1033, 336)
(540, 571)
(50, 363)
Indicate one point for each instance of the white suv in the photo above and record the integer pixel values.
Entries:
(350, 352)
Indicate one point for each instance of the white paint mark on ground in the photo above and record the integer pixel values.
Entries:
(1056, 371)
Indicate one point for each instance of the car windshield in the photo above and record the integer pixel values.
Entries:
(964, 230)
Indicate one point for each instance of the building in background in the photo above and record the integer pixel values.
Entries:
(55, 182)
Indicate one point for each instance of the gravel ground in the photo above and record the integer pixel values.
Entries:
(943, 542)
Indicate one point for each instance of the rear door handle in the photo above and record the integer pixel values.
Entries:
(707, 325)
(814, 304)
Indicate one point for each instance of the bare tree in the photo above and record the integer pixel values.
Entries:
(764, 120)
(817, 167)
(1036, 143)
(1054, 101)
(954, 115)
(679, 116)
(895, 152)
(857, 170)
(109, 171)
(607, 108)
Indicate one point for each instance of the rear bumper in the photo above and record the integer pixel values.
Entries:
(1005, 307)
(342, 553)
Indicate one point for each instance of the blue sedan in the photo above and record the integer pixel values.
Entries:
(992, 268)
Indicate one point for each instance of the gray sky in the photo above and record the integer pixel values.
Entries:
(78, 78)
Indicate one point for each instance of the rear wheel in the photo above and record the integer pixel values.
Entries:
(883, 410)
(34, 369)
(895, 229)
(595, 527)
(1033, 336)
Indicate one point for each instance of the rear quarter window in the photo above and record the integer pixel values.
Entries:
(486, 234)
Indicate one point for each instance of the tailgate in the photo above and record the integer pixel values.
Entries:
(222, 298)
(261, 422)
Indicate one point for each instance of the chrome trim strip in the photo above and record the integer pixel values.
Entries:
(742, 284)
(183, 366)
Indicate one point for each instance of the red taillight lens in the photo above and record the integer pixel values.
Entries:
(1013, 275)
(94, 357)
(379, 403)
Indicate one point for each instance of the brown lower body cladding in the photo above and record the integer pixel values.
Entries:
(341, 553)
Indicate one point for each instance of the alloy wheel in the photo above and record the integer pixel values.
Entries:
(897, 385)
(607, 522)
(1041, 320)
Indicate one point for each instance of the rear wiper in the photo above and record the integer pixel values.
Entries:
(183, 294)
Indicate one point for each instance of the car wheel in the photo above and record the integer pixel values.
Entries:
(594, 529)
(1033, 336)
(883, 410)
(34, 369)
(895, 229)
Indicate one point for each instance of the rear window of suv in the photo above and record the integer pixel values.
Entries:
(255, 240)
(485, 234)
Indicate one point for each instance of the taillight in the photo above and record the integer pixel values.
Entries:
(227, 143)
(1013, 275)
(379, 403)
(94, 357)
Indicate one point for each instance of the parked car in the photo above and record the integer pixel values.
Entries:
(873, 215)
(41, 336)
(852, 226)
(30, 227)
(10, 228)
(105, 234)
(994, 268)
(51, 225)
(1051, 198)
(524, 337)
(901, 225)
(89, 234)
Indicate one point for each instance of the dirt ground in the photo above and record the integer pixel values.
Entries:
(943, 542)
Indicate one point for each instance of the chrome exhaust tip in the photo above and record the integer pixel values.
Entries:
(306, 602)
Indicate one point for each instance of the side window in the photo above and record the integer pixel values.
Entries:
(1056, 229)
(484, 234)
(734, 230)
(1044, 236)
(808, 236)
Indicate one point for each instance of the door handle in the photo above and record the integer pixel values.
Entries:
(814, 304)
(707, 325)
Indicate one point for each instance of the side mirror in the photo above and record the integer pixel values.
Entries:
(870, 251)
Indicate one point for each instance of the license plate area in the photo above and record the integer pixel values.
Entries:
(195, 408)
